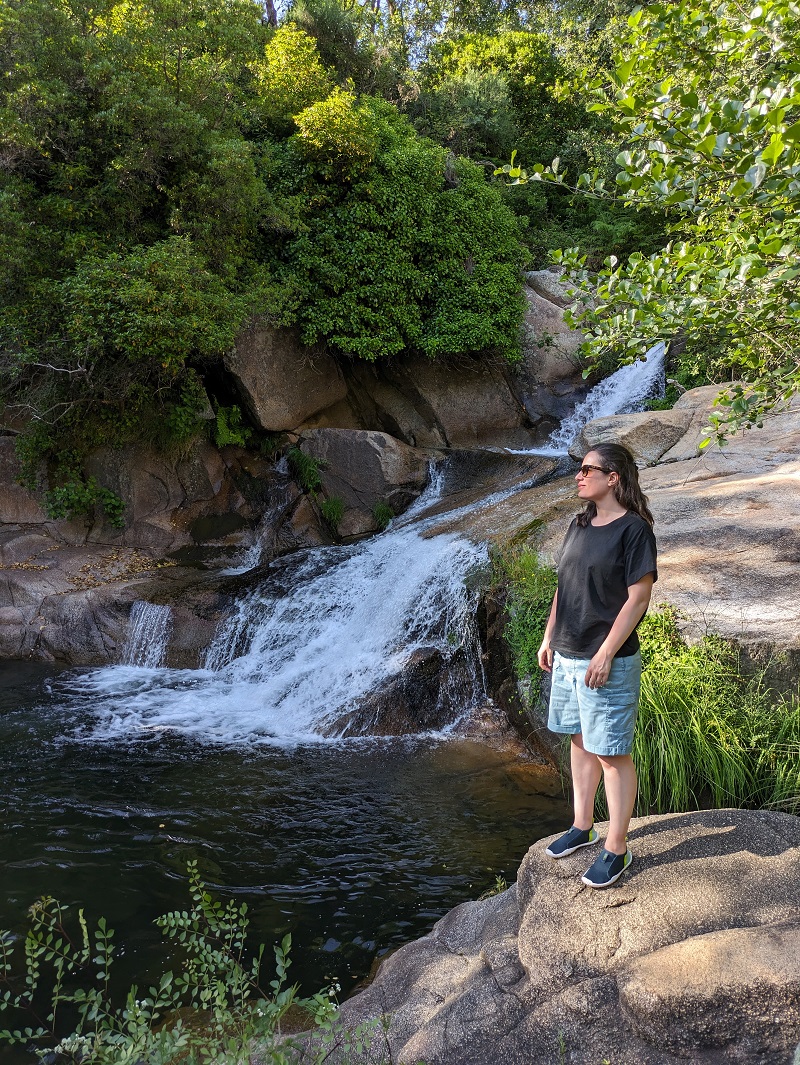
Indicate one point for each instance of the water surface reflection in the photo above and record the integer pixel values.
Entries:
(353, 847)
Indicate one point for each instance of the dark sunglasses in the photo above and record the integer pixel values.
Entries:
(585, 469)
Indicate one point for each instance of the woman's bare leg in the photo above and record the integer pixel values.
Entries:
(586, 773)
(619, 774)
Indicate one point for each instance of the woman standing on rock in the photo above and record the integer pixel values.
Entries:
(606, 571)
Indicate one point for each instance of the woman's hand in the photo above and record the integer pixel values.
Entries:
(545, 656)
(599, 669)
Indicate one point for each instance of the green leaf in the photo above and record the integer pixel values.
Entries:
(774, 149)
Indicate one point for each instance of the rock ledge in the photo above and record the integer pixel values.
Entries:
(694, 956)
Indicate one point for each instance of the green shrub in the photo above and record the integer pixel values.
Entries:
(305, 468)
(155, 306)
(78, 497)
(214, 1010)
(531, 587)
(382, 514)
(332, 511)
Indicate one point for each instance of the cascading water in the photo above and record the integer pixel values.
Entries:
(621, 393)
(306, 648)
(148, 635)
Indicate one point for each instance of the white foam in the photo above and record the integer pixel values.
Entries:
(285, 666)
(621, 393)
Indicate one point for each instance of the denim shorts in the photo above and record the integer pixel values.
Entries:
(605, 717)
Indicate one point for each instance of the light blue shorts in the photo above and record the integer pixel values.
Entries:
(605, 717)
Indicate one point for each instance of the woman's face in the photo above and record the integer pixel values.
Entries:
(594, 484)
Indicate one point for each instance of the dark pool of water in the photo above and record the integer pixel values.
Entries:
(354, 848)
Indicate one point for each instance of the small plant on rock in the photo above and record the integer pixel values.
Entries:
(382, 514)
(306, 469)
(333, 511)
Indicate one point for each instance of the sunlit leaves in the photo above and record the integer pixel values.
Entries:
(708, 97)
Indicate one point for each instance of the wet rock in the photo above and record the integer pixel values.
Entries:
(364, 469)
(427, 693)
(693, 957)
(281, 381)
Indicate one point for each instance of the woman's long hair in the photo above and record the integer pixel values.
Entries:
(619, 460)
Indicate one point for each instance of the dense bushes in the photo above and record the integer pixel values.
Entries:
(168, 174)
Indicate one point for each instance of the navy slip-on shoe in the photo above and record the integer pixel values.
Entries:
(606, 869)
(572, 841)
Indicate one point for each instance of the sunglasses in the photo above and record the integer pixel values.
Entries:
(586, 469)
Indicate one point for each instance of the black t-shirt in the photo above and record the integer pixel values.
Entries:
(596, 566)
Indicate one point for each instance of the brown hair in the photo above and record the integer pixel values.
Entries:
(617, 459)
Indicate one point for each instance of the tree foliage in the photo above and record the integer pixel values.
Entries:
(708, 97)
(170, 170)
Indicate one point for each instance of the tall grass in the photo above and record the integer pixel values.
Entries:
(709, 734)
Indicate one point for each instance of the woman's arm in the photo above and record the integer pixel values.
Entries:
(545, 654)
(626, 621)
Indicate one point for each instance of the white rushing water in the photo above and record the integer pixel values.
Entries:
(303, 649)
(622, 392)
(148, 635)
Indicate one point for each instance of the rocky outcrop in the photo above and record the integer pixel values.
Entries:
(442, 403)
(693, 956)
(469, 402)
(201, 496)
(66, 587)
(364, 469)
(72, 604)
(282, 383)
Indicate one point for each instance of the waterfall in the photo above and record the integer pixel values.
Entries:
(148, 634)
(312, 650)
(622, 392)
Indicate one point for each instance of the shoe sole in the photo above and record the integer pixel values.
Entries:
(566, 854)
(613, 880)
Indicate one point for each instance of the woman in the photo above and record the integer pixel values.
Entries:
(606, 571)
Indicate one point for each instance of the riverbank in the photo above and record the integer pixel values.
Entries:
(695, 956)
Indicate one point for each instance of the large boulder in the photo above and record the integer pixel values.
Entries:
(282, 382)
(364, 469)
(549, 380)
(648, 436)
(471, 401)
(693, 956)
(466, 402)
